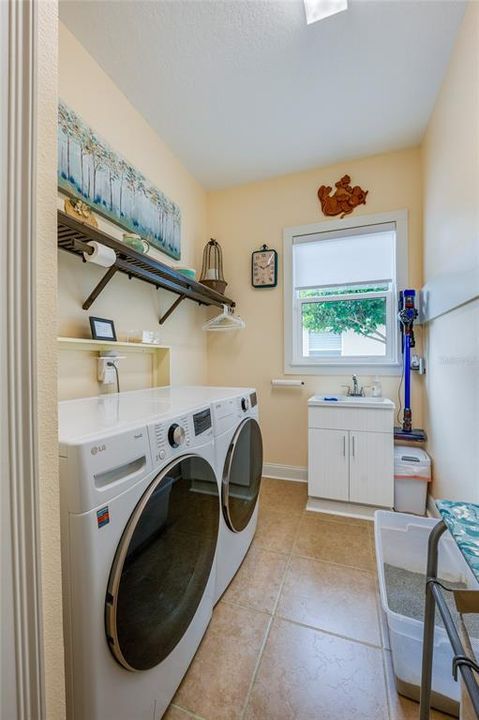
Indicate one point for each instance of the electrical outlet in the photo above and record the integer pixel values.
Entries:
(418, 365)
(110, 377)
(106, 373)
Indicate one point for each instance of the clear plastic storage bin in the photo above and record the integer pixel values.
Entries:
(412, 473)
(401, 542)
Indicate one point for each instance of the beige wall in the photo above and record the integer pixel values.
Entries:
(451, 243)
(131, 304)
(45, 306)
(241, 219)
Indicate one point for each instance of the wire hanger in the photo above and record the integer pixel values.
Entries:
(224, 321)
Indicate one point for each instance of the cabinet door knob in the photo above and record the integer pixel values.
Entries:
(344, 445)
(353, 445)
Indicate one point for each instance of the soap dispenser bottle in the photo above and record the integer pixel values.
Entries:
(376, 388)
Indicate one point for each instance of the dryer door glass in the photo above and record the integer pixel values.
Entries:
(242, 475)
(162, 564)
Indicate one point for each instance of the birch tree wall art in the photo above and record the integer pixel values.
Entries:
(90, 170)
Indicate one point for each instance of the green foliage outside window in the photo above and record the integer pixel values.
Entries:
(364, 316)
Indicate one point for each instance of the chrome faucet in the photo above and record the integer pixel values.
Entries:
(355, 390)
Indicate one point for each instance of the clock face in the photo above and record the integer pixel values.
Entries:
(264, 268)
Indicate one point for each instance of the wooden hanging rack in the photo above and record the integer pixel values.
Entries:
(74, 236)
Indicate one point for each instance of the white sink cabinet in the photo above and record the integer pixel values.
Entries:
(351, 450)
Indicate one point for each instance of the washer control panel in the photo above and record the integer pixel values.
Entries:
(174, 436)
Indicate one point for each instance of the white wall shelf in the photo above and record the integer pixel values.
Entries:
(447, 292)
(102, 345)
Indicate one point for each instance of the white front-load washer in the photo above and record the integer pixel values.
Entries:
(140, 514)
(239, 465)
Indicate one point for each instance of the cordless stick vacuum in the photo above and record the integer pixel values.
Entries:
(407, 314)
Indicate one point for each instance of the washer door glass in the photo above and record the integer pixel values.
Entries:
(242, 475)
(162, 564)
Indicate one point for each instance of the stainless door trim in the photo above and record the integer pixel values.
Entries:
(119, 560)
(227, 472)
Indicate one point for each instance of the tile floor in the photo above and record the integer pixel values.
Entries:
(298, 634)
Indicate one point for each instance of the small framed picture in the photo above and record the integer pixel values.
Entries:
(102, 329)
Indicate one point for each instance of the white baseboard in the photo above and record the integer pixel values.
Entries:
(285, 472)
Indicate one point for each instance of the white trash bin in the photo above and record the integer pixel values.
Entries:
(412, 473)
(401, 543)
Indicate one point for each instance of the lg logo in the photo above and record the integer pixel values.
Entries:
(97, 449)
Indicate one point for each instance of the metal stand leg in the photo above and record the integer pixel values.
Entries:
(429, 617)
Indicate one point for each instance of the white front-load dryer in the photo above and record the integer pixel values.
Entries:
(140, 523)
(239, 464)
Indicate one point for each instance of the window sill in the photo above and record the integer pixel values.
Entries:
(384, 369)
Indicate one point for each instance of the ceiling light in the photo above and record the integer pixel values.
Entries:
(320, 9)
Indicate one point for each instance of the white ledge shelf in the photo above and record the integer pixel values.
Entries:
(99, 345)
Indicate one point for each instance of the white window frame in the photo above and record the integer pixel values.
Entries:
(294, 363)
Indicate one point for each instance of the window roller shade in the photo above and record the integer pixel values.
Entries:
(339, 258)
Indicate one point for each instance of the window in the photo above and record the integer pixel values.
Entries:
(341, 284)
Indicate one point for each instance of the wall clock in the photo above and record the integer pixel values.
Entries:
(264, 268)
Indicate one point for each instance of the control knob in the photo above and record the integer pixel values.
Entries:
(176, 435)
(244, 404)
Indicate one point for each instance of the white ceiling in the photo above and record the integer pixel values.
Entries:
(244, 89)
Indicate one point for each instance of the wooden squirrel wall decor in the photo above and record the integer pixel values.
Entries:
(344, 200)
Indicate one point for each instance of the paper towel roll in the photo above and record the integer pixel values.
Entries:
(101, 255)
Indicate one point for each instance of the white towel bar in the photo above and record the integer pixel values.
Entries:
(287, 383)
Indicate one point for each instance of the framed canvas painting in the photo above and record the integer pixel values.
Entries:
(89, 169)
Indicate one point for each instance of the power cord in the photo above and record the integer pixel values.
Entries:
(112, 364)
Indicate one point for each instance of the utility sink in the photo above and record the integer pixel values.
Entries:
(333, 400)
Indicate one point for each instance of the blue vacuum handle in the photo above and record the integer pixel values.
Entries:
(407, 315)
(407, 417)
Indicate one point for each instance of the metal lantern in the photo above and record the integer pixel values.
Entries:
(212, 268)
